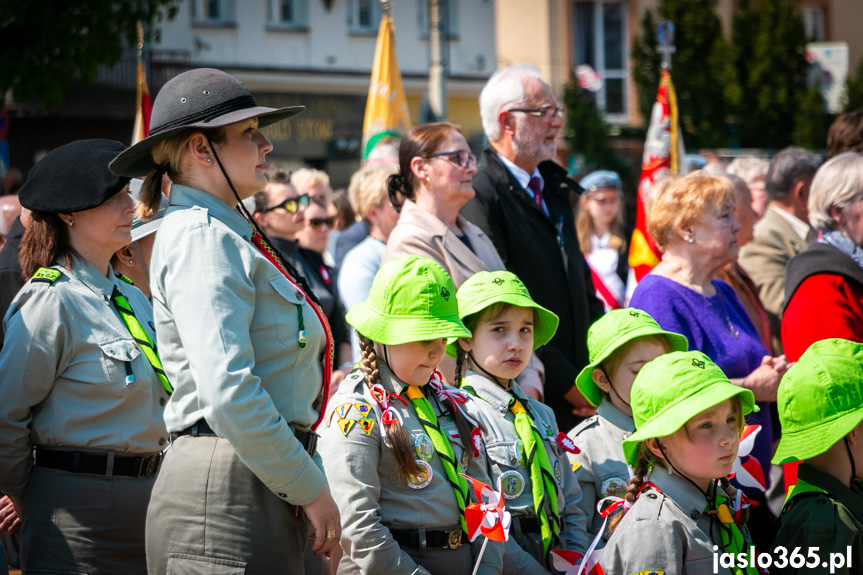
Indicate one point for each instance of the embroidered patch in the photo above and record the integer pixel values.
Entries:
(343, 410)
(463, 462)
(513, 484)
(614, 486)
(650, 573)
(444, 293)
(346, 424)
(367, 423)
(566, 443)
(476, 441)
(424, 447)
(329, 418)
(558, 472)
(363, 408)
(423, 478)
(698, 363)
(497, 281)
(575, 466)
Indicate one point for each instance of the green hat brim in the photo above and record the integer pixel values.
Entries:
(802, 444)
(394, 329)
(543, 330)
(675, 415)
(584, 380)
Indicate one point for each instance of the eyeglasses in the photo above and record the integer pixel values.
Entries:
(316, 223)
(291, 205)
(461, 158)
(540, 112)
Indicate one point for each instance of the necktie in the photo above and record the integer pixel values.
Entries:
(139, 335)
(535, 185)
(442, 447)
(267, 252)
(541, 476)
(737, 544)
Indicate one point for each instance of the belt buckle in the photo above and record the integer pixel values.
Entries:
(454, 539)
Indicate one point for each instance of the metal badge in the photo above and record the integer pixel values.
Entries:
(513, 484)
(558, 472)
(423, 478)
(424, 447)
(463, 462)
(522, 456)
(614, 486)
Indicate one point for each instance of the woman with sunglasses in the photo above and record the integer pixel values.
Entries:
(287, 216)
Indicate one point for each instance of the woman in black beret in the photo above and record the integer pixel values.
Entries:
(81, 387)
(247, 350)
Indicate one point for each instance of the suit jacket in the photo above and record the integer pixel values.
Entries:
(543, 252)
(765, 259)
(420, 233)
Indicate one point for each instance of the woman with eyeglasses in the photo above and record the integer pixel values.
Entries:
(289, 219)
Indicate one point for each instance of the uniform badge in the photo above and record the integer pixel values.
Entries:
(614, 486)
(346, 424)
(548, 431)
(343, 410)
(566, 443)
(463, 462)
(423, 478)
(367, 424)
(513, 483)
(519, 448)
(575, 466)
(329, 418)
(558, 472)
(476, 441)
(424, 447)
(650, 573)
(363, 408)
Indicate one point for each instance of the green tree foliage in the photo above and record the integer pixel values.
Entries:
(702, 70)
(587, 133)
(769, 39)
(811, 121)
(44, 46)
(853, 97)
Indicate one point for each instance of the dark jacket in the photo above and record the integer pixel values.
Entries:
(11, 278)
(543, 252)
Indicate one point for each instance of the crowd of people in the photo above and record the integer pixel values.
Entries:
(209, 365)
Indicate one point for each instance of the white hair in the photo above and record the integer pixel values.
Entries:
(504, 91)
(305, 178)
(839, 182)
(750, 168)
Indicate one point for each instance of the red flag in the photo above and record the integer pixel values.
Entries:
(663, 152)
(143, 103)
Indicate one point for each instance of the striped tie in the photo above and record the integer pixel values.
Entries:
(140, 336)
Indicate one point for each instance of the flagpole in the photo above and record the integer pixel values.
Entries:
(438, 32)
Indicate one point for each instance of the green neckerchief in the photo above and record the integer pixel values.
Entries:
(141, 337)
(426, 415)
(738, 543)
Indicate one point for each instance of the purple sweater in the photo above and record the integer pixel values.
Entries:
(704, 321)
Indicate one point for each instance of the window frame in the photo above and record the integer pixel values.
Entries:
(301, 16)
(227, 17)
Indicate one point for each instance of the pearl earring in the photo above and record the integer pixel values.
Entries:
(208, 159)
(690, 240)
(69, 222)
(131, 262)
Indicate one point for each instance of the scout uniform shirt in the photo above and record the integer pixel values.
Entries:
(831, 521)
(665, 533)
(600, 468)
(63, 374)
(506, 455)
(371, 497)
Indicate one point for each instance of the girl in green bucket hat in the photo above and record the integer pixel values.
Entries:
(396, 440)
(525, 448)
(620, 343)
(679, 505)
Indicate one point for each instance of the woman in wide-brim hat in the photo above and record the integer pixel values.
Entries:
(240, 340)
(79, 375)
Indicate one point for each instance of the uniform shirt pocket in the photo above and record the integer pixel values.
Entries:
(507, 458)
(284, 309)
(117, 355)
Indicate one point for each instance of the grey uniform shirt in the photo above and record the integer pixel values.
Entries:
(507, 458)
(371, 497)
(600, 468)
(664, 532)
(228, 337)
(63, 374)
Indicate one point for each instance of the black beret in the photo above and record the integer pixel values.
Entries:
(73, 178)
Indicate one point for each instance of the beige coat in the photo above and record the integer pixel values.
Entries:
(420, 233)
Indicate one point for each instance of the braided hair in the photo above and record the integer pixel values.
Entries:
(639, 472)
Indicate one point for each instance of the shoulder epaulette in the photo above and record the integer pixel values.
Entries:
(47, 275)
(124, 278)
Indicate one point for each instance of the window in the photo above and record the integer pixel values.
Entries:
(286, 13)
(600, 40)
(364, 16)
(449, 8)
(813, 23)
(216, 12)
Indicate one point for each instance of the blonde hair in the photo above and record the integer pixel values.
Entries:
(368, 188)
(306, 178)
(839, 182)
(584, 227)
(676, 202)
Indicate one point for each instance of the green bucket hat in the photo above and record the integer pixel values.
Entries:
(609, 333)
(484, 289)
(672, 389)
(820, 399)
(411, 299)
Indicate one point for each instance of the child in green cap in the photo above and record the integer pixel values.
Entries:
(619, 343)
(676, 517)
(525, 449)
(396, 439)
(820, 403)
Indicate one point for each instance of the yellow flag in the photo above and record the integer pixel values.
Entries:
(387, 112)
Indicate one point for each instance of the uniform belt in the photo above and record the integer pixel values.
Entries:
(526, 524)
(452, 539)
(106, 464)
(201, 428)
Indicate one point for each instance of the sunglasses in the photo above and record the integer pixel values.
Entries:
(459, 157)
(316, 223)
(292, 205)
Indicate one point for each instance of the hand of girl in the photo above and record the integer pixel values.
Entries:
(323, 515)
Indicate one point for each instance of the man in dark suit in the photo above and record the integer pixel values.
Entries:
(523, 203)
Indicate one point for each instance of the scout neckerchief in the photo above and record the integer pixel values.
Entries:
(140, 336)
(267, 251)
(441, 444)
(544, 489)
(738, 544)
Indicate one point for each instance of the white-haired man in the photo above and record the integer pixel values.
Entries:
(523, 203)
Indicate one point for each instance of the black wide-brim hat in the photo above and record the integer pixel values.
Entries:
(202, 98)
(73, 178)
